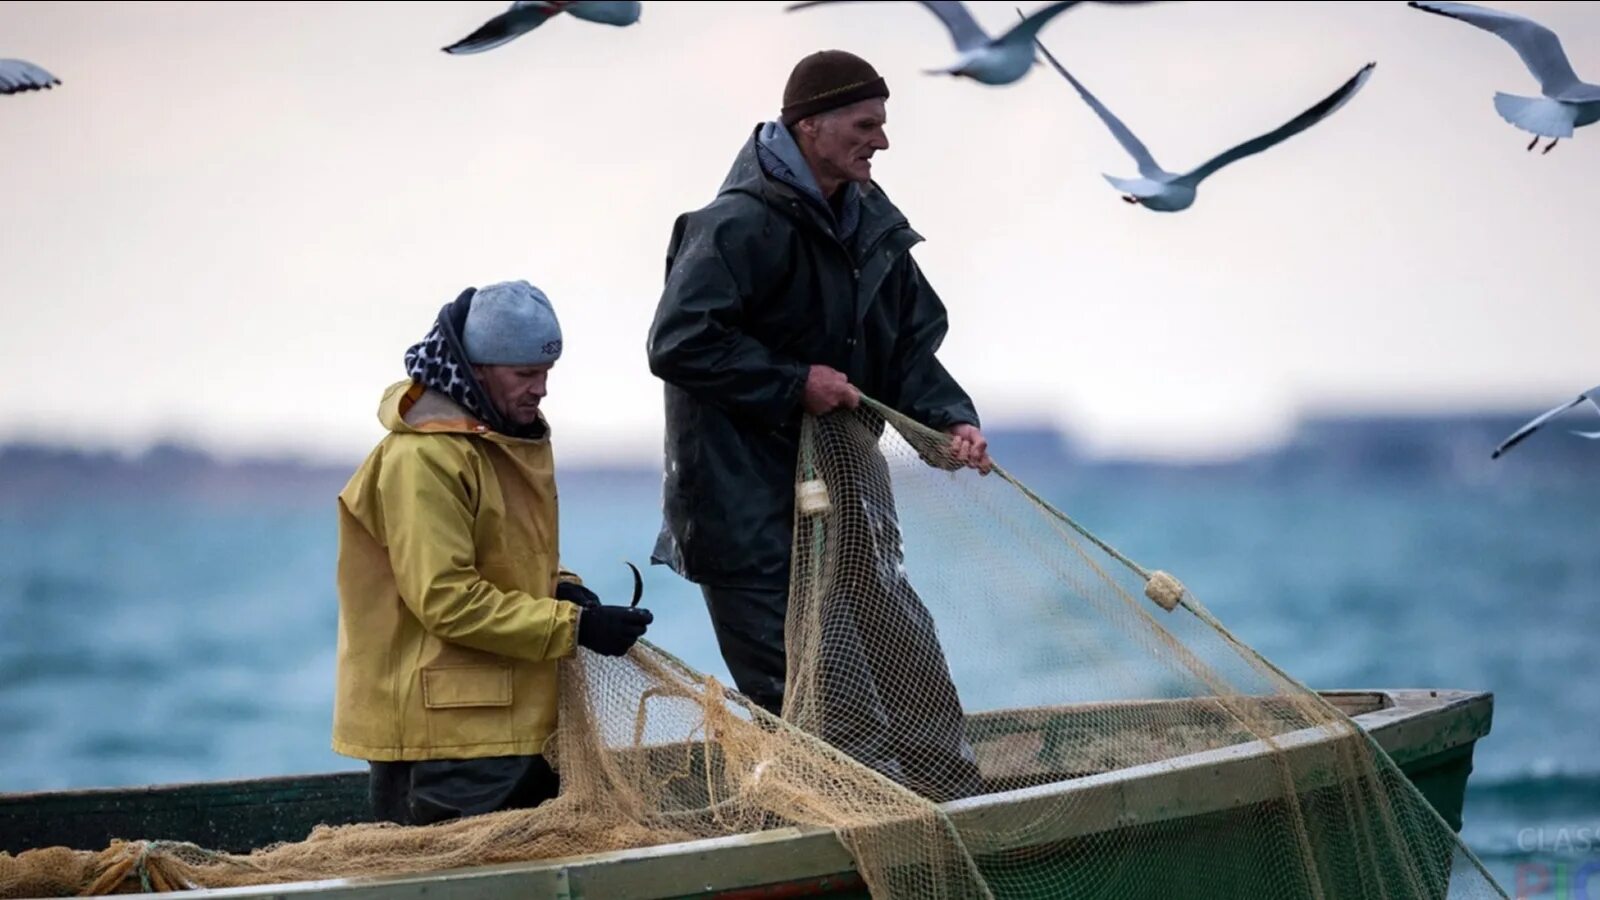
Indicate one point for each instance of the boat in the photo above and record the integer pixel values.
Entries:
(1429, 734)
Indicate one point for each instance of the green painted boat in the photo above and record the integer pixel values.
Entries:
(1429, 734)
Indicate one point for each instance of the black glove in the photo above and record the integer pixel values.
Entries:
(577, 593)
(611, 630)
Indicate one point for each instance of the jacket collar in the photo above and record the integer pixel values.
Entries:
(782, 160)
(410, 407)
(879, 215)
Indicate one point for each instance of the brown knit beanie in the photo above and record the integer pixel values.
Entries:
(829, 79)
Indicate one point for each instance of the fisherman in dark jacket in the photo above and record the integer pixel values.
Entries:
(791, 293)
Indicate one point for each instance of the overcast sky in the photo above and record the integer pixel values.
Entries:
(231, 219)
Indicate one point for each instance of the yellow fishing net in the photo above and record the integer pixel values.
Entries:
(1148, 754)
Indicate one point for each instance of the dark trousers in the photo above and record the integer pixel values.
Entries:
(437, 790)
(749, 627)
(885, 685)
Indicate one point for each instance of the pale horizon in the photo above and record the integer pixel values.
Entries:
(230, 220)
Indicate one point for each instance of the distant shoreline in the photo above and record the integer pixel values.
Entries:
(1453, 447)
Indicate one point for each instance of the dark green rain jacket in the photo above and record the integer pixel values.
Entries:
(758, 289)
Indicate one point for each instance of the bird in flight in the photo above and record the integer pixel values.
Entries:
(1568, 101)
(17, 76)
(1162, 191)
(526, 15)
(988, 60)
(1592, 395)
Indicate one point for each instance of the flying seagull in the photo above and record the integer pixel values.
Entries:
(526, 15)
(1592, 395)
(992, 61)
(1163, 191)
(605, 12)
(1567, 103)
(17, 76)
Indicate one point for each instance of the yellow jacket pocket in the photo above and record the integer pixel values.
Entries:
(448, 687)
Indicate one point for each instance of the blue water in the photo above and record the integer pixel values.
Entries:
(148, 640)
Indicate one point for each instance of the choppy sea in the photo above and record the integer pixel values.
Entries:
(157, 627)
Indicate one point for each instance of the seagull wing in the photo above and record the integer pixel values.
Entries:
(964, 30)
(605, 12)
(521, 18)
(1147, 163)
(1592, 395)
(1538, 46)
(1027, 30)
(18, 75)
(1310, 117)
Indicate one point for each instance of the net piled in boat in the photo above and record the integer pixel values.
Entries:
(983, 700)
(649, 752)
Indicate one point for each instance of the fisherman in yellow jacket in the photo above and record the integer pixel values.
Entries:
(453, 605)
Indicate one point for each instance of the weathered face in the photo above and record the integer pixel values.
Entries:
(841, 143)
(515, 391)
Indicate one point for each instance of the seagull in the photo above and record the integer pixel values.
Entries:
(17, 76)
(1592, 395)
(991, 61)
(1162, 191)
(605, 12)
(526, 15)
(1567, 103)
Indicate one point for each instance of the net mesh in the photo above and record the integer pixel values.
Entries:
(1145, 752)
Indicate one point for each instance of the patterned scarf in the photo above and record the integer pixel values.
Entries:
(439, 362)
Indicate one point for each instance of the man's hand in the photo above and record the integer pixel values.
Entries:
(611, 630)
(828, 389)
(572, 592)
(969, 446)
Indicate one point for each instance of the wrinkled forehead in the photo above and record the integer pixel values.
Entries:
(867, 113)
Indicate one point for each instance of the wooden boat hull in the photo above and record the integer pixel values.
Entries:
(1154, 812)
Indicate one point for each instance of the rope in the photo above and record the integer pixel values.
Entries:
(1157, 582)
(903, 423)
(150, 862)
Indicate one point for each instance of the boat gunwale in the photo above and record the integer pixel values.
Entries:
(1136, 795)
(983, 722)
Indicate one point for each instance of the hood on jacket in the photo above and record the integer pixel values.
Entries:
(409, 407)
(781, 158)
(876, 214)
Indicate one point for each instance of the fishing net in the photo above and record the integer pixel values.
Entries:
(1145, 753)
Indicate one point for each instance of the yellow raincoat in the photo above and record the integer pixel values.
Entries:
(448, 559)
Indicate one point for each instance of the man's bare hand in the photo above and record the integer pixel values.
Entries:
(970, 447)
(828, 389)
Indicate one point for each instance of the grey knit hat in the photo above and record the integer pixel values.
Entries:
(511, 324)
